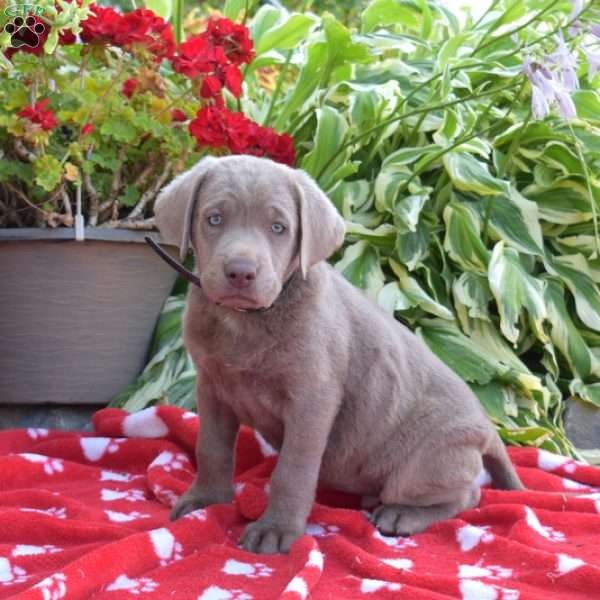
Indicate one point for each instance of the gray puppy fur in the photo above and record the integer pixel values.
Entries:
(350, 397)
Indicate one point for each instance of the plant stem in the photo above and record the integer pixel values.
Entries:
(588, 185)
(516, 29)
(418, 111)
(178, 20)
(277, 90)
(486, 13)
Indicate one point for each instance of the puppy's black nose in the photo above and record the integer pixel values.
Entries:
(240, 272)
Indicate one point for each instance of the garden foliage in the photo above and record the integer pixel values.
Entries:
(465, 159)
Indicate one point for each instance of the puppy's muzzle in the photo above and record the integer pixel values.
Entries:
(240, 272)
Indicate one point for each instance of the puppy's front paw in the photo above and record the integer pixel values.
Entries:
(266, 537)
(197, 497)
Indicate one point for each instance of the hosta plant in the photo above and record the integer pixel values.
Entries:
(465, 159)
(99, 109)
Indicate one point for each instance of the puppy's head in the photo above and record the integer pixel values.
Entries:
(251, 223)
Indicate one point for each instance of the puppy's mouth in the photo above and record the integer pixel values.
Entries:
(238, 302)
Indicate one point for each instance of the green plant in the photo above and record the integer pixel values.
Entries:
(467, 217)
(105, 107)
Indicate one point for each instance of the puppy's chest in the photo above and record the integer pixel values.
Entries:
(256, 399)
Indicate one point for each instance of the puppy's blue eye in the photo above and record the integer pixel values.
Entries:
(215, 220)
(277, 228)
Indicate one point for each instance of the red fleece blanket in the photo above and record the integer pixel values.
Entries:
(85, 515)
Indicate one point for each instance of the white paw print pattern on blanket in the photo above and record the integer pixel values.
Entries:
(122, 517)
(370, 586)
(215, 592)
(470, 536)
(251, 570)
(58, 512)
(11, 574)
(135, 495)
(53, 587)
(95, 448)
(167, 548)
(169, 461)
(321, 530)
(29, 550)
(473, 589)
(36, 433)
(116, 476)
(166, 496)
(479, 570)
(133, 586)
(398, 543)
(547, 532)
(51, 465)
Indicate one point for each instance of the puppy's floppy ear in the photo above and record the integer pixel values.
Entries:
(176, 204)
(321, 227)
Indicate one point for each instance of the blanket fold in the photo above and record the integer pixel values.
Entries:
(86, 515)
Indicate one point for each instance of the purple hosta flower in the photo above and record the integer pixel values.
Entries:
(593, 63)
(595, 30)
(577, 8)
(566, 62)
(547, 89)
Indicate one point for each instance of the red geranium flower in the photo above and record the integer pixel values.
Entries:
(178, 115)
(143, 27)
(233, 38)
(129, 87)
(87, 129)
(211, 87)
(197, 57)
(40, 115)
(233, 80)
(219, 128)
(101, 26)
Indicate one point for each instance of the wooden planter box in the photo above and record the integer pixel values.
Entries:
(76, 318)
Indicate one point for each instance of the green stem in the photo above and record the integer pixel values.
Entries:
(418, 111)
(486, 13)
(277, 89)
(588, 185)
(516, 29)
(178, 20)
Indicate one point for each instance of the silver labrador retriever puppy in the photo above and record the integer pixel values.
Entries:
(282, 342)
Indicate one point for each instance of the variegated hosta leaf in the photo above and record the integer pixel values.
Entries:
(459, 352)
(391, 298)
(463, 238)
(407, 211)
(417, 295)
(350, 197)
(327, 150)
(515, 219)
(473, 292)
(471, 175)
(574, 271)
(498, 400)
(384, 235)
(514, 290)
(412, 247)
(589, 393)
(564, 333)
(386, 187)
(565, 202)
(361, 265)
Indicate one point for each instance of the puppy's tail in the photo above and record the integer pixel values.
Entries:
(498, 465)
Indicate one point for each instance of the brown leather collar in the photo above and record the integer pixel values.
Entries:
(195, 280)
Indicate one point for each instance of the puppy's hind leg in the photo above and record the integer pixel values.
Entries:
(414, 498)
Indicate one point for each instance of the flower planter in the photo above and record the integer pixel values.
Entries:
(77, 317)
